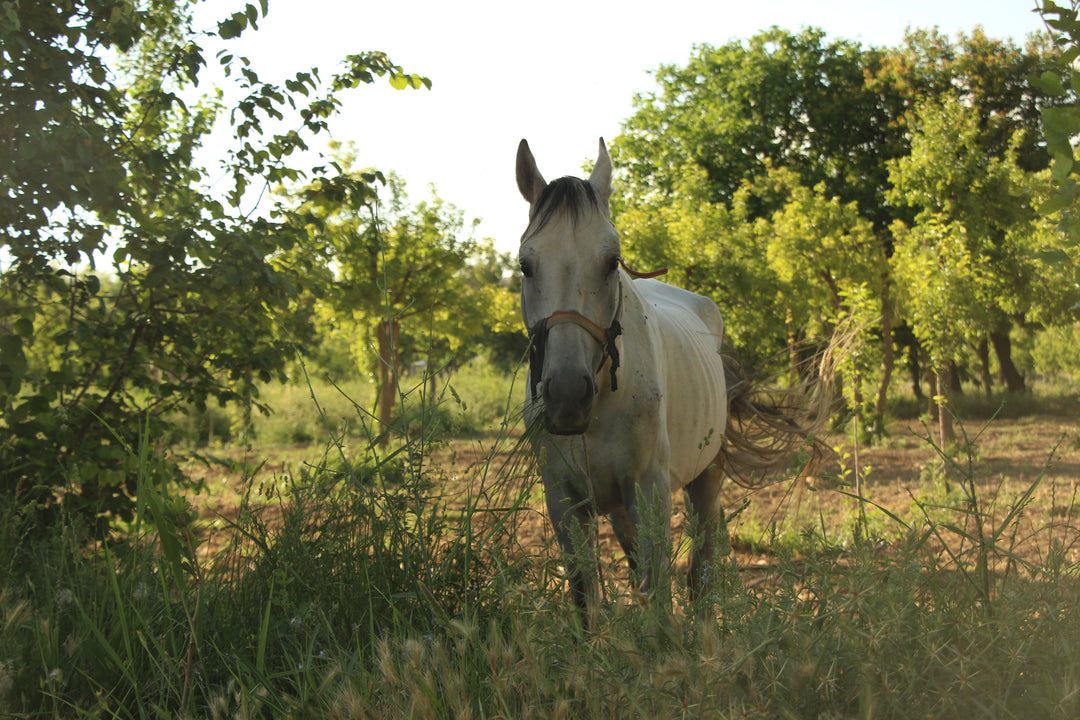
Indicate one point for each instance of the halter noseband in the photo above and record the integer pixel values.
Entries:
(606, 338)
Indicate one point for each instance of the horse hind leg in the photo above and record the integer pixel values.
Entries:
(703, 494)
(625, 533)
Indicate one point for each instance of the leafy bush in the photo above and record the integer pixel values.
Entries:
(1055, 352)
(197, 299)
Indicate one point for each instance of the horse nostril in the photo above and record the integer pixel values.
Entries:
(577, 390)
(590, 388)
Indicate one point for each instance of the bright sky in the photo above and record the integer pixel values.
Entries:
(560, 73)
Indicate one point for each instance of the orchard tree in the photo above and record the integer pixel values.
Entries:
(406, 279)
(713, 250)
(779, 99)
(950, 178)
(989, 75)
(967, 267)
(835, 270)
(1061, 127)
(127, 288)
(832, 116)
(715, 139)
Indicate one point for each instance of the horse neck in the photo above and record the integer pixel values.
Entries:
(634, 306)
(634, 340)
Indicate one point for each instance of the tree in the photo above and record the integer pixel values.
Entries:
(713, 250)
(790, 100)
(967, 267)
(713, 140)
(1061, 126)
(97, 154)
(830, 117)
(835, 268)
(404, 278)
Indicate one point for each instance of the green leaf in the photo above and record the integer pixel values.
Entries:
(1050, 83)
(24, 327)
(1052, 257)
(1063, 165)
(1060, 200)
(229, 29)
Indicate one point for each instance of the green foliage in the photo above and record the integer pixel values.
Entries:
(1055, 351)
(198, 300)
(317, 568)
(780, 175)
(1061, 125)
(732, 268)
(792, 100)
(943, 287)
(1061, 119)
(294, 420)
(968, 265)
(401, 282)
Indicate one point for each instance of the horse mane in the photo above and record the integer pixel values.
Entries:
(569, 196)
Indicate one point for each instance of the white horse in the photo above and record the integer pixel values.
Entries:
(628, 376)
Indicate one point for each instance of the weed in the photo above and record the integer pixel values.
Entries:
(357, 587)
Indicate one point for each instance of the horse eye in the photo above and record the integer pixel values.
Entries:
(613, 264)
(526, 269)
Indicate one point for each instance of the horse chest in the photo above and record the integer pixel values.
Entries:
(625, 443)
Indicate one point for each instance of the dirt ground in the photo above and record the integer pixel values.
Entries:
(902, 477)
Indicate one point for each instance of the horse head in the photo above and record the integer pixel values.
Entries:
(571, 290)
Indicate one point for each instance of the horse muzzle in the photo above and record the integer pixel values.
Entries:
(568, 401)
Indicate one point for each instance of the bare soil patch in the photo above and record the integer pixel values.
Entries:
(904, 477)
(898, 476)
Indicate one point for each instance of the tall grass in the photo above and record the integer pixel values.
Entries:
(469, 399)
(358, 588)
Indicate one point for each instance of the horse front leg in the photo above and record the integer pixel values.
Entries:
(574, 523)
(648, 507)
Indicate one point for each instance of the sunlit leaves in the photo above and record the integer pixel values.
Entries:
(1061, 120)
(365, 67)
(235, 24)
(99, 151)
(402, 280)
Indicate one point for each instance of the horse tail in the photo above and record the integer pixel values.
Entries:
(773, 429)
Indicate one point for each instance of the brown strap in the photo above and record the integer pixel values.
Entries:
(642, 275)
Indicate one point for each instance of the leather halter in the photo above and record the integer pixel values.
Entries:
(604, 337)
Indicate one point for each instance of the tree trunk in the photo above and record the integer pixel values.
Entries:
(932, 406)
(386, 334)
(946, 429)
(887, 358)
(916, 355)
(983, 353)
(1014, 381)
(792, 347)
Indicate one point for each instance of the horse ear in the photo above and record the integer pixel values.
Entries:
(600, 178)
(529, 180)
